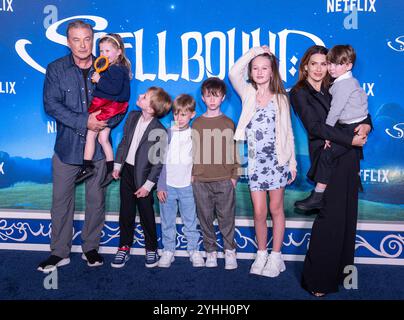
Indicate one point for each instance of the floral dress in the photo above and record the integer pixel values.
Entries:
(264, 172)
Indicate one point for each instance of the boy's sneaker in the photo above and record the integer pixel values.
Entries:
(121, 257)
(196, 258)
(93, 258)
(84, 173)
(211, 259)
(152, 259)
(50, 264)
(274, 266)
(166, 259)
(230, 259)
(259, 263)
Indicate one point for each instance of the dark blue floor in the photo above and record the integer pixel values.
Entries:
(20, 280)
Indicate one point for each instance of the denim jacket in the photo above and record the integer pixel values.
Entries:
(65, 100)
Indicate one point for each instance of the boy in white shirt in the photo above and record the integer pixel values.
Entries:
(174, 188)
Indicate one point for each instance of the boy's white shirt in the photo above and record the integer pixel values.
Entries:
(179, 159)
(344, 76)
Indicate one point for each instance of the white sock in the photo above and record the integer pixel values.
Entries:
(262, 252)
(276, 255)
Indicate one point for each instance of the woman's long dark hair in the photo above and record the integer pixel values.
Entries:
(305, 61)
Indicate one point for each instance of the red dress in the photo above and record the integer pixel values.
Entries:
(108, 108)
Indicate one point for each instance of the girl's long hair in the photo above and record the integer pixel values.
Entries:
(275, 82)
(305, 61)
(122, 59)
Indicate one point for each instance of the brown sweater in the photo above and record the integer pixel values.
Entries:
(214, 149)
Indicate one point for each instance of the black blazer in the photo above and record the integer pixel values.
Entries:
(312, 108)
(145, 168)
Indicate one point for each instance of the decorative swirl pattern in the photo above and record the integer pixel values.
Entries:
(376, 245)
(394, 242)
(19, 231)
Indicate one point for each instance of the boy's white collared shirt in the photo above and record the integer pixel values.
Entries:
(344, 76)
(179, 159)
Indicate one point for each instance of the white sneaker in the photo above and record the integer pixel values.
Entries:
(273, 267)
(166, 259)
(230, 259)
(259, 263)
(211, 259)
(196, 258)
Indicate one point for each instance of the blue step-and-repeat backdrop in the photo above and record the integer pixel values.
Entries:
(176, 45)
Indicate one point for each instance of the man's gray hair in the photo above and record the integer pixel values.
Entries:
(79, 24)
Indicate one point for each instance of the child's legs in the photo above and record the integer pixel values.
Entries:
(205, 209)
(276, 198)
(225, 209)
(259, 200)
(324, 168)
(127, 212)
(168, 214)
(188, 216)
(336, 151)
(148, 221)
(89, 149)
(103, 139)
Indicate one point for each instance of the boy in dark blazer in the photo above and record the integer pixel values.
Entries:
(138, 164)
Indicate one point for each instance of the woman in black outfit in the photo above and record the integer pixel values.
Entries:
(332, 241)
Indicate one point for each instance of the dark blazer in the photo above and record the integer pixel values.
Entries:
(154, 137)
(312, 108)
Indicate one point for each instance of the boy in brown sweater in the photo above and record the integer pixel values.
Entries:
(215, 173)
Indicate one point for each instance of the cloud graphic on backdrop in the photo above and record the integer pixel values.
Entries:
(52, 34)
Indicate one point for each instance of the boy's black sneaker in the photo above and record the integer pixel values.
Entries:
(121, 257)
(50, 264)
(93, 258)
(152, 259)
(84, 173)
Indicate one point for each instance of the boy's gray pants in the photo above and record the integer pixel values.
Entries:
(62, 211)
(219, 197)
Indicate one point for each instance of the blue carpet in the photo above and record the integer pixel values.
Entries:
(20, 280)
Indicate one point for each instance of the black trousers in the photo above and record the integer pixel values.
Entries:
(332, 241)
(127, 212)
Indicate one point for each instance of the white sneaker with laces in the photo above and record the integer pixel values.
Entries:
(274, 266)
(230, 259)
(166, 259)
(196, 258)
(211, 259)
(259, 263)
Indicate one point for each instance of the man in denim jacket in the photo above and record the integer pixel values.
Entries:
(67, 95)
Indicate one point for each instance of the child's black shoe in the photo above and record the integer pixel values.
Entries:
(313, 201)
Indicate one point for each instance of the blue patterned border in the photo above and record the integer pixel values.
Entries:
(386, 244)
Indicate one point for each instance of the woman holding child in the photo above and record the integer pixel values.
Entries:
(332, 241)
